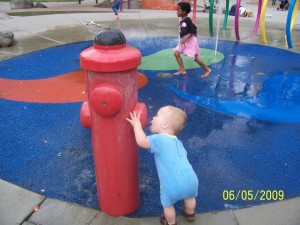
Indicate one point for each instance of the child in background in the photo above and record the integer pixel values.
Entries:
(178, 180)
(188, 44)
(116, 7)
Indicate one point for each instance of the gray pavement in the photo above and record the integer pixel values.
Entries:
(20, 206)
(38, 32)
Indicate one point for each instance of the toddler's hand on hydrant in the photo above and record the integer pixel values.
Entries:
(134, 119)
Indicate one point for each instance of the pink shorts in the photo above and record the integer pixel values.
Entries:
(190, 47)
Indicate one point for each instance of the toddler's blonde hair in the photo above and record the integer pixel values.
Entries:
(177, 118)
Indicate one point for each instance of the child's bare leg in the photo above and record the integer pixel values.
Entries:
(189, 205)
(203, 65)
(180, 63)
(170, 214)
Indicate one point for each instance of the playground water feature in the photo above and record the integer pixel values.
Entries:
(218, 6)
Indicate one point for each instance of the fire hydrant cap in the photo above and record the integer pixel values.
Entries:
(109, 37)
(110, 53)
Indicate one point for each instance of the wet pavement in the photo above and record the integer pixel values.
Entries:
(32, 33)
(19, 206)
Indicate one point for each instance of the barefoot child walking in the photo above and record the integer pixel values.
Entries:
(116, 7)
(188, 44)
(177, 178)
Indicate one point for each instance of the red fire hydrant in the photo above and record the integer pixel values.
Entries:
(111, 80)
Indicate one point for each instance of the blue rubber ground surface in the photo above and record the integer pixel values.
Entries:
(242, 133)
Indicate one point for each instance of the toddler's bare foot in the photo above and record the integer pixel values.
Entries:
(118, 16)
(180, 72)
(207, 72)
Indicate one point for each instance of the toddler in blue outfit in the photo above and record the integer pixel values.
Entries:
(178, 180)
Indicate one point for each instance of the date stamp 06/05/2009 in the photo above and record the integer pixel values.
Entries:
(253, 195)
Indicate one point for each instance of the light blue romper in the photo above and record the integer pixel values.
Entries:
(176, 175)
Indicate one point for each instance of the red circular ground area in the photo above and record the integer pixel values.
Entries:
(65, 88)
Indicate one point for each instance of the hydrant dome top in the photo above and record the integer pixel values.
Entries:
(109, 37)
(110, 53)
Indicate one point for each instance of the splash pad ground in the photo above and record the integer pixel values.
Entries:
(242, 131)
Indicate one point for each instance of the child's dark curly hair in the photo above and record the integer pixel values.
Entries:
(185, 6)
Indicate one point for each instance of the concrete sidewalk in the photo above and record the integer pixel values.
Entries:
(20, 206)
(38, 32)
